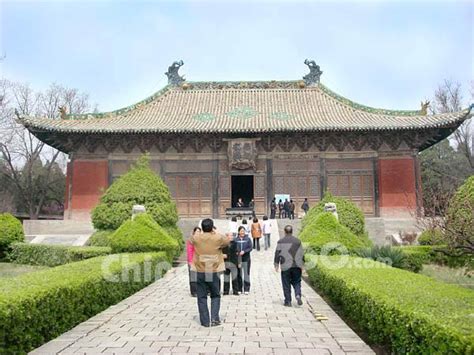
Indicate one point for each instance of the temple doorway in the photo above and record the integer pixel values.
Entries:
(242, 187)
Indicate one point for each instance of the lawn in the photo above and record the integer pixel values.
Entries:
(11, 270)
(449, 275)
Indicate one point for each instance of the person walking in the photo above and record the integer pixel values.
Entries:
(233, 226)
(266, 230)
(230, 258)
(289, 258)
(208, 262)
(246, 227)
(190, 255)
(291, 209)
(243, 247)
(273, 208)
(305, 206)
(256, 231)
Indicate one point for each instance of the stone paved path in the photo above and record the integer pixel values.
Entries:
(162, 318)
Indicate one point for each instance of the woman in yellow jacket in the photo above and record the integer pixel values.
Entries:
(256, 230)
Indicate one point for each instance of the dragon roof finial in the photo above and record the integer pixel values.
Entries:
(173, 77)
(312, 78)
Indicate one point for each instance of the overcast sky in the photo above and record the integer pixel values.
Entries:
(381, 54)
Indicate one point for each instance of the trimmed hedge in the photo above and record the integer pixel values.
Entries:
(100, 238)
(143, 234)
(348, 213)
(325, 229)
(11, 231)
(52, 255)
(37, 307)
(412, 313)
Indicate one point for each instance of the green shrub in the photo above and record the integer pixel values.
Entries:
(100, 238)
(394, 257)
(432, 237)
(37, 307)
(52, 255)
(139, 186)
(348, 213)
(438, 254)
(412, 313)
(143, 234)
(460, 219)
(325, 231)
(176, 234)
(11, 231)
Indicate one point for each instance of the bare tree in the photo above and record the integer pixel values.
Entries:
(31, 165)
(448, 98)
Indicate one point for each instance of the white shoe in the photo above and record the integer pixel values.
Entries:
(246, 293)
(239, 293)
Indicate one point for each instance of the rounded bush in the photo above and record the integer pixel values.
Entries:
(11, 231)
(100, 238)
(460, 218)
(432, 237)
(348, 213)
(325, 231)
(142, 234)
(139, 186)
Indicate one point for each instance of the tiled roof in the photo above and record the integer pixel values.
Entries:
(248, 107)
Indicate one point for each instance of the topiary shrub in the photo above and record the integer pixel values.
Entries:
(325, 231)
(348, 213)
(52, 255)
(394, 257)
(143, 234)
(460, 219)
(11, 231)
(100, 238)
(432, 237)
(139, 186)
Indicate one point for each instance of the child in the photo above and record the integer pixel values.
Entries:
(266, 229)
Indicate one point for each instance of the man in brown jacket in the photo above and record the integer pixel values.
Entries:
(208, 262)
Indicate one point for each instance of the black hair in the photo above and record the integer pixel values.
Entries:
(234, 219)
(265, 218)
(207, 225)
(255, 220)
(195, 229)
(244, 221)
(241, 227)
(288, 230)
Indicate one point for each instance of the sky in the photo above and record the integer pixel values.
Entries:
(387, 54)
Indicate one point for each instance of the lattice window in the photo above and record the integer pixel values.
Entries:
(195, 187)
(368, 187)
(224, 187)
(314, 185)
(278, 184)
(259, 186)
(206, 187)
(171, 182)
(182, 187)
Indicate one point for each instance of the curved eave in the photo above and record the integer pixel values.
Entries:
(34, 124)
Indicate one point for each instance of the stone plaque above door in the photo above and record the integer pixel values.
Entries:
(242, 153)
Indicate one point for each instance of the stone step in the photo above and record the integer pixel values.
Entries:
(57, 227)
(59, 239)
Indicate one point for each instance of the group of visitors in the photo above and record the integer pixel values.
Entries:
(211, 254)
(286, 209)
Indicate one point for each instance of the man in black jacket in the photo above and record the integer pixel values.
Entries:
(289, 257)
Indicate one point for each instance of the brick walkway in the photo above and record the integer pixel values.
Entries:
(162, 318)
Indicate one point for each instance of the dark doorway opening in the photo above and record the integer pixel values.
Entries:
(242, 187)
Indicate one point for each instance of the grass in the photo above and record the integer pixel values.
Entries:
(12, 270)
(456, 276)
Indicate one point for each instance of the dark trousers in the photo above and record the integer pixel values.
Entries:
(230, 274)
(272, 214)
(192, 281)
(256, 243)
(291, 277)
(208, 282)
(242, 281)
